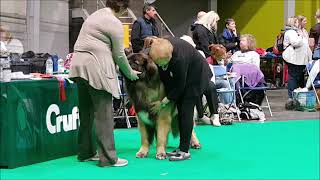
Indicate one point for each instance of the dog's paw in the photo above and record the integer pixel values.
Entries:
(161, 156)
(195, 145)
(141, 154)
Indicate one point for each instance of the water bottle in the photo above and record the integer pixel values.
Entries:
(60, 66)
(55, 62)
(1, 68)
(5, 70)
(49, 66)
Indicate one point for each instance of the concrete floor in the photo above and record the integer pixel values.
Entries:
(277, 99)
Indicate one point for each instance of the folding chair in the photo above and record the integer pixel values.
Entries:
(314, 75)
(249, 76)
(220, 72)
(122, 111)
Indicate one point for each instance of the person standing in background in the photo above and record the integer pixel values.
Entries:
(302, 28)
(315, 30)
(296, 55)
(204, 32)
(143, 27)
(199, 15)
(97, 51)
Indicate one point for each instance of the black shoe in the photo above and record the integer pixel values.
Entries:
(180, 156)
(289, 104)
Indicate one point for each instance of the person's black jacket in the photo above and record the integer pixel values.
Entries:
(188, 73)
(202, 37)
(137, 36)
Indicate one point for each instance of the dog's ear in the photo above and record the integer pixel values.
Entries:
(151, 67)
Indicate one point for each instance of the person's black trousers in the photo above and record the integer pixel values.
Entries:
(296, 77)
(185, 108)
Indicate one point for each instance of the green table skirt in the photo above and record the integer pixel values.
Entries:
(36, 125)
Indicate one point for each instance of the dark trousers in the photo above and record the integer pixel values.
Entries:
(95, 104)
(185, 108)
(212, 100)
(296, 77)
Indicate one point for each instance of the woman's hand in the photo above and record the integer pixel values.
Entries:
(158, 105)
(134, 75)
(235, 32)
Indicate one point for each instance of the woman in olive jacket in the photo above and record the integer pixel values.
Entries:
(98, 49)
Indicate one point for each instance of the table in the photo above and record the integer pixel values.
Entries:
(35, 125)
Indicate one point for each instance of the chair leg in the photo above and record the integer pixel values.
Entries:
(268, 103)
(235, 103)
(127, 117)
(315, 92)
(241, 97)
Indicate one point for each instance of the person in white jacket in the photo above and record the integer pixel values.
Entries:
(296, 55)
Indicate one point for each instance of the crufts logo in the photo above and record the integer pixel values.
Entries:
(69, 122)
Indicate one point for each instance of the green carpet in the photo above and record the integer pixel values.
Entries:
(272, 150)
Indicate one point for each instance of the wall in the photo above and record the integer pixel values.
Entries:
(180, 14)
(262, 18)
(54, 27)
(308, 8)
(43, 28)
(13, 15)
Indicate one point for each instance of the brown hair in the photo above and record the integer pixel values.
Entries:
(218, 51)
(116, 5)
(251, 41)
(300, 19)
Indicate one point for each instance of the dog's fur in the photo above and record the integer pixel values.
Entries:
(142, 93)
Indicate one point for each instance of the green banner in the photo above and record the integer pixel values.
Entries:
(36, 125)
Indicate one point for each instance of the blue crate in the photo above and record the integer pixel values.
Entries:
(307, 100)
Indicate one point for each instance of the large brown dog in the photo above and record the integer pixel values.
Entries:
(143, 93)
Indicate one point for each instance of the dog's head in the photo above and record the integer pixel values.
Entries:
(143, 63)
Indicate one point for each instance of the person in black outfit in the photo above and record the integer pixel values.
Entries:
(144, 27)
(229, 38)
(204, 33)
(186, 76)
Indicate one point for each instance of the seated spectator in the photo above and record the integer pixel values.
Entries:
(247, 53)
(229, 38)
(218, 56)
(8, 43)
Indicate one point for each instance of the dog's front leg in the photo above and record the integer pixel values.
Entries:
(195, 143)
(144, 149)
(163, 128)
